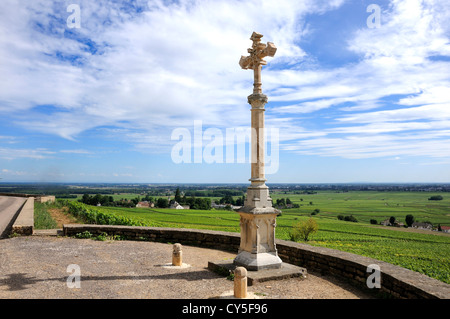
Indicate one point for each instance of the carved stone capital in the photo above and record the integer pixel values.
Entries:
(257, 100)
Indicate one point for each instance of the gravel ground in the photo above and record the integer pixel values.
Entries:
(37, 267)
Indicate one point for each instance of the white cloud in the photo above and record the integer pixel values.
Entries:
(169, 62)
(77, 151)
(144, 73)
(12, 154)
(396, 79)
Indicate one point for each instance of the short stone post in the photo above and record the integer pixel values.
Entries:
(240, 282)
(177, 255)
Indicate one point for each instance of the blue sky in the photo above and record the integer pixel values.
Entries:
(99, 103)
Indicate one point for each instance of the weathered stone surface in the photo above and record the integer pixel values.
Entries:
(177, 255)
(240, 282)
(395, 281)
(24, 223)
(258, 218)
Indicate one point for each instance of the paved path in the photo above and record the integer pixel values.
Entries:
(37, 267)
(8, 208)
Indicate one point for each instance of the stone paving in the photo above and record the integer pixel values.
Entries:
(37, 267)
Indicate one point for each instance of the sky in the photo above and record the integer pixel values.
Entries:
(147, 91)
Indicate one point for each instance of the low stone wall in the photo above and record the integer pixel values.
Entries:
(395, 281)
(37, 198)
(45, 199)
(195, 237)
(24, 223)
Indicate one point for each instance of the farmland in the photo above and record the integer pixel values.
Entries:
(366, 205)
(422, 251)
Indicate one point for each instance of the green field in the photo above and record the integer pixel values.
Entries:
(421, 251)
(366, 205)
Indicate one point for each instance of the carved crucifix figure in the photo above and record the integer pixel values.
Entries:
(255, 60)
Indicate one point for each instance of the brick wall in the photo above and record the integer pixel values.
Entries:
(396, 281)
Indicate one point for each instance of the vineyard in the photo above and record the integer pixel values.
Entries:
(425, 253)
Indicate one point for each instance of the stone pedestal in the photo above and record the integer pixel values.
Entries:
(257, 249)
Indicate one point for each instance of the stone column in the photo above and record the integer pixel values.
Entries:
(258, 218)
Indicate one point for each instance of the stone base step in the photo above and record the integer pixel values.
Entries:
(285, 272)
(47, 232)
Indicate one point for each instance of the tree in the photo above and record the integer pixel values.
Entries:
(97, 199)
(392, 220)
(178, 195)
(85, 199)
(162, 203)
(227, 199)
(240, 201)
(303, 229)
(350, 218)
(281, 202)
(436, 197)
(409, 220)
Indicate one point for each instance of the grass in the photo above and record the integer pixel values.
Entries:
(366, 205)
(42, 218)
(52, 215)
(422, 252)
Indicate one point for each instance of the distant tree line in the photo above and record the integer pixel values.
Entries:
(347, 218)
(283, 203)
(161, 202)
(228, 199)
(107, 200)
(214, 193)
(192, 201)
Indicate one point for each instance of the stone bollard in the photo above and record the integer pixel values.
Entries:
(240, 282)
(177, 255)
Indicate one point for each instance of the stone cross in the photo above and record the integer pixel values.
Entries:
(255, 60)
(258, 218)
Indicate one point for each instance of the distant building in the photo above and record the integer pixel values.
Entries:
(418, 225)
(223, 206)
(175, 205)
(144, 204)
(217, 206)
(445, 229)
(386, 222)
